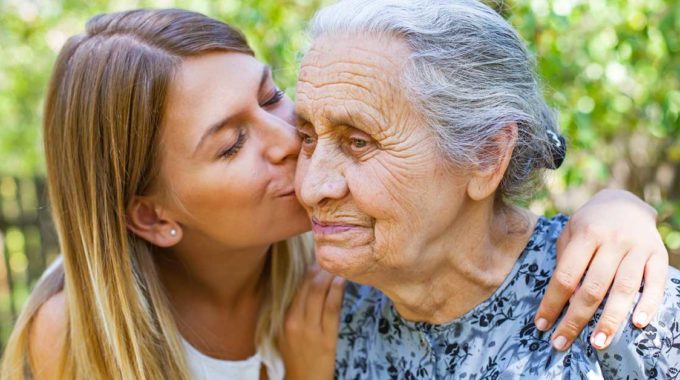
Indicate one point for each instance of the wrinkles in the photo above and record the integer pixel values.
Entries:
(341, 103)
(325, 78)
(321, 91)
(342, 212)
(396, 186)
(359, 49)
(394, 189)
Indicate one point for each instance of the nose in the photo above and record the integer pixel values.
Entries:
(321, 177)
(282, 139)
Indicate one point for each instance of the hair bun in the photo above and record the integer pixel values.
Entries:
(558, 150)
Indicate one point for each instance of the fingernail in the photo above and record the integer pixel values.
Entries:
(640, 319)
(542, 324)
(599, 340)
(560, 343)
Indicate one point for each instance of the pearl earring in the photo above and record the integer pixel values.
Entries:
(173, 232)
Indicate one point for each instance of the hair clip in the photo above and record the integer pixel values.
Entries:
(558, 149)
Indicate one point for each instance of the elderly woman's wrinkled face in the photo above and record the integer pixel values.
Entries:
(370, 173)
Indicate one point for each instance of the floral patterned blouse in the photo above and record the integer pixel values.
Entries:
(497, 339)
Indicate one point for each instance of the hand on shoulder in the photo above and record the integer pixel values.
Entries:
(311, 328)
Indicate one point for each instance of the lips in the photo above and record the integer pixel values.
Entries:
(330, 228)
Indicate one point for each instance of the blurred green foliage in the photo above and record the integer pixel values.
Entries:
(611, 67)
(33, 31)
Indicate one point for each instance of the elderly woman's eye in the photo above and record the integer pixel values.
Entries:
(358, 143)
(308, 141)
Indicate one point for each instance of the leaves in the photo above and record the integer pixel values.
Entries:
(610, 67)
(32, 33)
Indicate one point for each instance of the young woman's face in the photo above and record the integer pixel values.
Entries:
(229, 151)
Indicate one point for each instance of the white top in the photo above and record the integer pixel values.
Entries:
(204, 367)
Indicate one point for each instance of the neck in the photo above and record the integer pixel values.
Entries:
(464, 266)
(220, 277)
(211, 289)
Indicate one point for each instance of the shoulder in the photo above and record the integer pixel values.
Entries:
(651, 352)
(360, 300)
(548, 230)
(362, 308)
(46, 336)
(539, 257)
(545, 234)
(361, 312)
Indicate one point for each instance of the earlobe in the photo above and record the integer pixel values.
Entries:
(496, 158)
(143, 220)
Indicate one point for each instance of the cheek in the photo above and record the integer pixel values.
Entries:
(222, 192)
(300, 174)
(380, 194)
(403, 197)
(390, 190)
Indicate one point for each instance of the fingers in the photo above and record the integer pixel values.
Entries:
(571, 266)
(608, 222)
(316, 297)
(563, 240)
(331, 316)
(588, 296)
(656, 273)
(296, 311)
(620, 300)
(295, 323)
(310, 334)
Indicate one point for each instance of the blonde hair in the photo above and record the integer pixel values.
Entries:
(103, 112)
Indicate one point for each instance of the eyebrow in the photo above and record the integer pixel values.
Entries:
(219, 125)
(359, 120)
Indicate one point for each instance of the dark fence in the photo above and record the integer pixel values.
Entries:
(27, 242)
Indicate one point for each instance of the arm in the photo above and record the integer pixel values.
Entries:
(612, 239)
(311, 327)
(46, 338)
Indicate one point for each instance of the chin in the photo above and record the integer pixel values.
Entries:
(350, 263)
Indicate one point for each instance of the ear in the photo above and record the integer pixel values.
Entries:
(145, 219)
(496, 158)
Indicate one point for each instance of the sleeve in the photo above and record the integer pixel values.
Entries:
(652, 352)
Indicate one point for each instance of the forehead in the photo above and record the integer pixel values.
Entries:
(351, 76)
(214, 77)
(206, 88)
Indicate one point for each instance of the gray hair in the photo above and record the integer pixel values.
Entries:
(470, 75)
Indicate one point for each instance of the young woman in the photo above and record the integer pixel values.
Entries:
(170, 157)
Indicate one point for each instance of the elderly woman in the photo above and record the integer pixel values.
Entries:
(422, 121)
